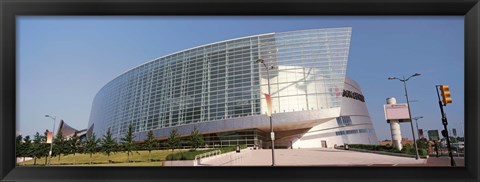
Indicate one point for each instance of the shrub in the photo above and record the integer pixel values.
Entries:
(422, 152)
(190, 155)
(407, 148)
(232, 148)
(227, 149)
(174, 157)
(422, 143)
(389, 147)
(365, 147)
(386, 148)
(394, 150)
(381, 148)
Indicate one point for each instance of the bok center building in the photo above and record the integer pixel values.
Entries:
(219, 89)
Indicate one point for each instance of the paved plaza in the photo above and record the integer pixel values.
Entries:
(310, 157)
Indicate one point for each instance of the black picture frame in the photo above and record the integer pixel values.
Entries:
(9, 9)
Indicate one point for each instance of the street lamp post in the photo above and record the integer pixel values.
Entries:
(272, 135)
(416, 123)
(53, 134)
(408, 104)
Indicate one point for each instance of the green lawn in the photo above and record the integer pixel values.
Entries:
(100, 159)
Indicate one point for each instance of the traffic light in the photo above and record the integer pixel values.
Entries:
(444, 133)
(445, 94)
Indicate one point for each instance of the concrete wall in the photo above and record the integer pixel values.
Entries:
(359, 115)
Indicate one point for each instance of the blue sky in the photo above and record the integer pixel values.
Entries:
(62, 62)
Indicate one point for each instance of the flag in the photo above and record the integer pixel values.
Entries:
(269, 104)
(49, 137)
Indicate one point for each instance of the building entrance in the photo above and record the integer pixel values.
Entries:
(324, 144)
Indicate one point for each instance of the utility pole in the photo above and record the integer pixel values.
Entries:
(446, 99)
(409, 112)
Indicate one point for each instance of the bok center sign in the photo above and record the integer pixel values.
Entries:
(396, 112)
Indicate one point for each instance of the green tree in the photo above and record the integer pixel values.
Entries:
(90, 145)
(26, 147)
(19, 146)
(47, 147)
(408, 149)
(196, 139)
(109, 145)
(150, 144)
(173, 141)
(59, 145)
(453, 139)
(37, 147)
(44, 148)
(422, 143)
(128, 144)
(74, 146)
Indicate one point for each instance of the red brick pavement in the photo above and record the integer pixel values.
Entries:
(431, 162)
(440, 162)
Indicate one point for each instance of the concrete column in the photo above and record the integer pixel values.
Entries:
(395, 128)
(396, 134)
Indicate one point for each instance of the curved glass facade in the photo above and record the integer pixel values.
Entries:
(222, 81)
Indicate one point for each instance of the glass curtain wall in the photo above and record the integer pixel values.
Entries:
(207, 83)
(222, 80)
(309, 68)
